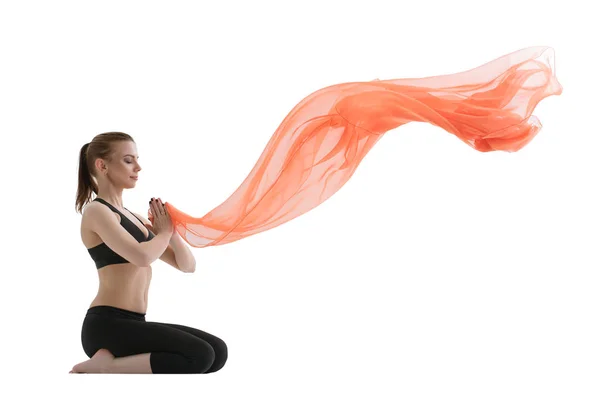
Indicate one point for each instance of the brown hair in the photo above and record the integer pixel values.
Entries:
(99, 147)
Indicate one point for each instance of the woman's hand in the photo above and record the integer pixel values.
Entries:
(160, 218)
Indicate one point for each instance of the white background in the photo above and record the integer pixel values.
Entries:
(436, 272)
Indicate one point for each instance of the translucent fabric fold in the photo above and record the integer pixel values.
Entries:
(323, 139)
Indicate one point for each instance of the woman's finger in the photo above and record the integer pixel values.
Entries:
(154, 207)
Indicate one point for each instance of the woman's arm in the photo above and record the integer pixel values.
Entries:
(177, 254)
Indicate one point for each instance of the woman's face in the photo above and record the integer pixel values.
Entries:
(125, 166)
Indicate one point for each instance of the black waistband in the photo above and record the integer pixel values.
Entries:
(116, 312)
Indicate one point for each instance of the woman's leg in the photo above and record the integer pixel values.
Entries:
(165, 349)
(136, 364)
(217, 344)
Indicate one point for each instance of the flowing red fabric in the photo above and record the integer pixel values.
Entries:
(321, 142)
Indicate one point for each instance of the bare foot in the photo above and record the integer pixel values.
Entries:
(98, 364)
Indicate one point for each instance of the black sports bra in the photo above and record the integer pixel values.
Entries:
(102, 254)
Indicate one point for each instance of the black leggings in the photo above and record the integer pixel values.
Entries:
(174, 349)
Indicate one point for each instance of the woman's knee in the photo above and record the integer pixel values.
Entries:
(220, 349)
(202, 358)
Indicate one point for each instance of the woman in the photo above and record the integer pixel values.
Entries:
(115, 334)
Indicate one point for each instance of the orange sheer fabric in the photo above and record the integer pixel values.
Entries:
(321, 142)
